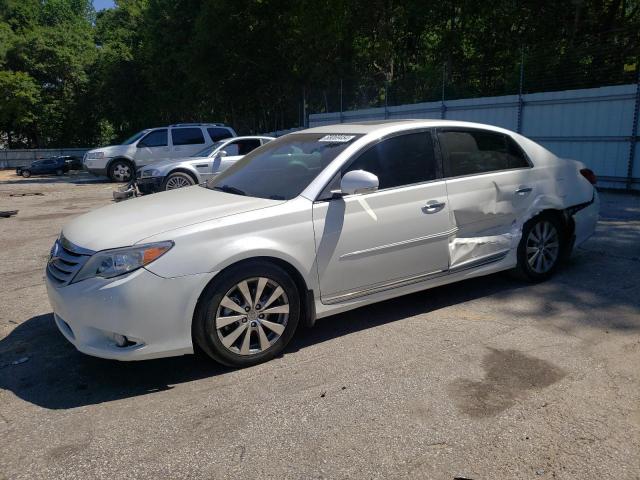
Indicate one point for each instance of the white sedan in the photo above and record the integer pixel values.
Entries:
(184, 172)
(314, 223)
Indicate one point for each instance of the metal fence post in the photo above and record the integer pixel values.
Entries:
(634, 129)
(520, 99)
(443, 107)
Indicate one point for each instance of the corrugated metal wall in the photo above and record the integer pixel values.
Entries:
(595, 126)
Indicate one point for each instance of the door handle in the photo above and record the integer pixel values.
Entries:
(433, 206)
(523, 190)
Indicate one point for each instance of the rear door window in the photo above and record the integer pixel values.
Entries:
(187, 136)
(472, 152)
(245, 146)
(157, 138)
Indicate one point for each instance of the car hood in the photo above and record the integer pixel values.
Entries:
(112, 150)
(129, 222)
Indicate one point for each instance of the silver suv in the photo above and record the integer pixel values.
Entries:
(119, 162)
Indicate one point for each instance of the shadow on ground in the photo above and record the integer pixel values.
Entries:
(56, 376)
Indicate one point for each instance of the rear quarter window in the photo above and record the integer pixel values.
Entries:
(187, 136)
(217, 133)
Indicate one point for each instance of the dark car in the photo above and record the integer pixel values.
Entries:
(57, 165)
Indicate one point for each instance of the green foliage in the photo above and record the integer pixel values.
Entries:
(71, 76)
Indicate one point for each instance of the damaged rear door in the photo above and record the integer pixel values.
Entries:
(490, 189)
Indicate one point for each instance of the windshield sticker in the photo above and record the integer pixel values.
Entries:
(337, 138)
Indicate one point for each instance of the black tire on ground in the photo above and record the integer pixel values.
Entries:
(177, 180)
(26, 173)
(121, 171)
(530, 265)
(205, 334)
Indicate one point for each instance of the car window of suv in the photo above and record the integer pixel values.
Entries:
(470, 152)
(187, 136)
(218, 133)
(398, 161)
(156, 138)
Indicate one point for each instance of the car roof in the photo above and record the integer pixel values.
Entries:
(247, 137)
(388, 126)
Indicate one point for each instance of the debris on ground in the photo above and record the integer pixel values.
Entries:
(29, 194)
(7, 213)
(125, 193)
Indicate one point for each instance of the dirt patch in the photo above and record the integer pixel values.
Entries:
(509, 375)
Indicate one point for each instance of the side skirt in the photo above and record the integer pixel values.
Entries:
(475, 263)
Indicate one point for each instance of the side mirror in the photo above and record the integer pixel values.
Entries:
(222, 153)
(358, 181)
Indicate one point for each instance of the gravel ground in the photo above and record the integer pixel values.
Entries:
(485, 379)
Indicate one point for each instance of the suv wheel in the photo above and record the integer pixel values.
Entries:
(541, 247)
(178, 180)
(59, 172)
(26, 173)
(248, 315)
(121, 171)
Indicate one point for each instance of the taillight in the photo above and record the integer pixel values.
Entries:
(589, 175)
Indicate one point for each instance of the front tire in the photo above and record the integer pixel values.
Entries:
(248, 315)
(26, 173)
(121, 171)
(541, 247)
(178, 180)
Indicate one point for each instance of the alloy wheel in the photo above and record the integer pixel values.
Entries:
(177, 182)
(122, 172)
(543, 247)
(252, 316)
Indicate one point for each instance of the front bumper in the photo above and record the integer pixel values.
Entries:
(100, 171)
(153, 312)
(149, 184)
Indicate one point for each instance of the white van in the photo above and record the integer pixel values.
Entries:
(119, 162)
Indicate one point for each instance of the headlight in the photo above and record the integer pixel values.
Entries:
(95, 155)
(151, 173)
(111, 263)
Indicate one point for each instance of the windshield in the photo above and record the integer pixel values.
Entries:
(133, 138)
(205, 152)
(282, 169)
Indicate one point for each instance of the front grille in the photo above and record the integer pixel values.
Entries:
(66, 260)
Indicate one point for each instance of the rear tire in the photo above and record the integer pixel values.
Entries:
(59, 172)
(541, 248)
(248, 315)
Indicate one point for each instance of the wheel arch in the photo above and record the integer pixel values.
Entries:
(121, 157)
(563, 216)
(307, 296)
(191, 174)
